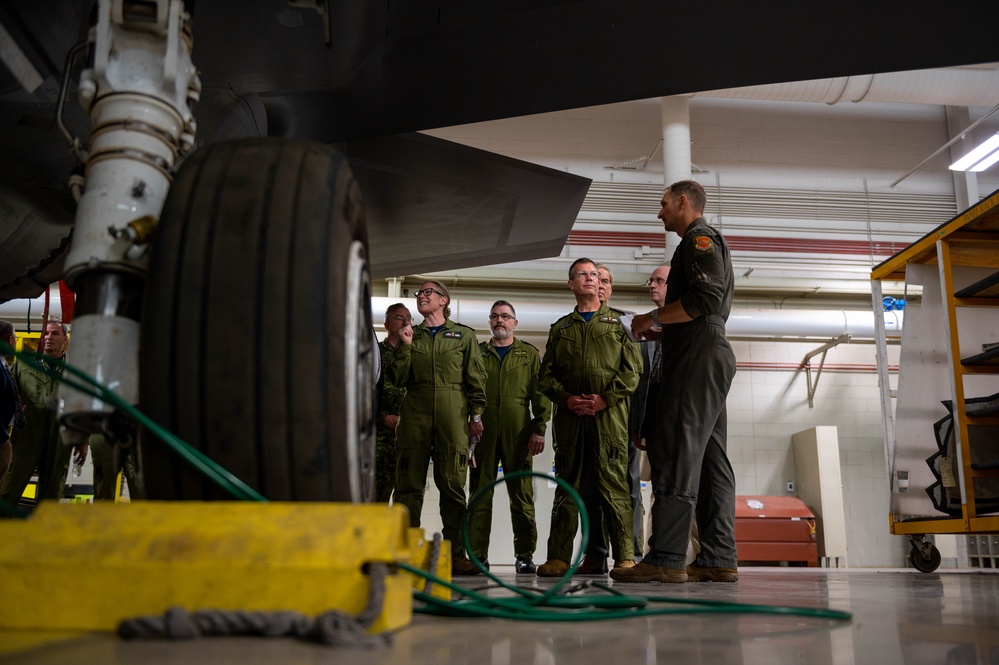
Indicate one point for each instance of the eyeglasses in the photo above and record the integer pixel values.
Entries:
(655, 280)
(496, 317)
(402, 318)
(427, 292)
(583, 273)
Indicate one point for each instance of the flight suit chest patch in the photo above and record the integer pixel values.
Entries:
(704, 244)
(610, 319)
(520, 353)
(452, 335)
(565, 324)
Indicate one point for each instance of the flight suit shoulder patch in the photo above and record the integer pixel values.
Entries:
(704, 244)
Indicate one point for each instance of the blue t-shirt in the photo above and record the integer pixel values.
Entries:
(587, 315)
(503, 350)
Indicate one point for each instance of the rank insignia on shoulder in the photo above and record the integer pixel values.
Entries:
(452, 334)
(703, 244)
(565, 324)
(609, 319)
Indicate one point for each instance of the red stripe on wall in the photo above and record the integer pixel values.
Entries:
(743, 243)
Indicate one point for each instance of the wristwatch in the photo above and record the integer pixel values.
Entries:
(655, 317)
(476, 418)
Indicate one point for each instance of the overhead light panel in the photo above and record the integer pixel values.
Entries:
(981, 157)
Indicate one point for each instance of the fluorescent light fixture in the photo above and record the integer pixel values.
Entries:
(987, 162)
(981, 157)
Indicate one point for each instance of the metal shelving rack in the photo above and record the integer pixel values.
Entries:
(969, 239)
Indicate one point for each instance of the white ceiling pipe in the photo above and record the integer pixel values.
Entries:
(17, 311)
(764, 323)
(947, 87)
(533, 317)
(787, 323)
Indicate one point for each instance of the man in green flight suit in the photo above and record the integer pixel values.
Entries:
(589, 370)
(38, 444)
(511, 436)
(440, 367)
(390, 396)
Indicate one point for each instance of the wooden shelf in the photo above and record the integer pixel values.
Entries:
(985, 288)
(990, 357)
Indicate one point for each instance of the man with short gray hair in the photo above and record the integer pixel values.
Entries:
(692, 477)
(38, 444)
(514, 425)
(589, 370)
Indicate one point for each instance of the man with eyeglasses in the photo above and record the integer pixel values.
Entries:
(390, 396)
(645, 401)
(440, 367)
(514, 426)
(589, 370)
(692, 477)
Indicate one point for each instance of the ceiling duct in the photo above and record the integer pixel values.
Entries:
(956, 86)
(757, 323)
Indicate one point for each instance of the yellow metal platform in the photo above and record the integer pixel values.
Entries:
(87, 567)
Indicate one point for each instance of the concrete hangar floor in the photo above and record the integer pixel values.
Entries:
(898, 616)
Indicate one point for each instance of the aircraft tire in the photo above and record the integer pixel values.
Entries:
(257, 346)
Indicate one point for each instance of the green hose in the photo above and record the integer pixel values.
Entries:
(531, 605)
(57, 369)
(549, 606)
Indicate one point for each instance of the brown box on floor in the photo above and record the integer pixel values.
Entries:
(774, 529)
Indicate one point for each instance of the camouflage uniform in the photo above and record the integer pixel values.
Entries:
(38, 444)
(390, 399)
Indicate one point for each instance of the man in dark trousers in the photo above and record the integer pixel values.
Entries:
(10, 401)
(691, 473)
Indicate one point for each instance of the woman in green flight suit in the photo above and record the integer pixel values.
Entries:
(440, 367)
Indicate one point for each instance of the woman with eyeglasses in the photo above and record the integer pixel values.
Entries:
(440, 367)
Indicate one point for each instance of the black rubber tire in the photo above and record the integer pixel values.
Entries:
(257, 346)
(922, 563)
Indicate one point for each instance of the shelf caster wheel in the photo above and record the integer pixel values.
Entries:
(924, 557)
